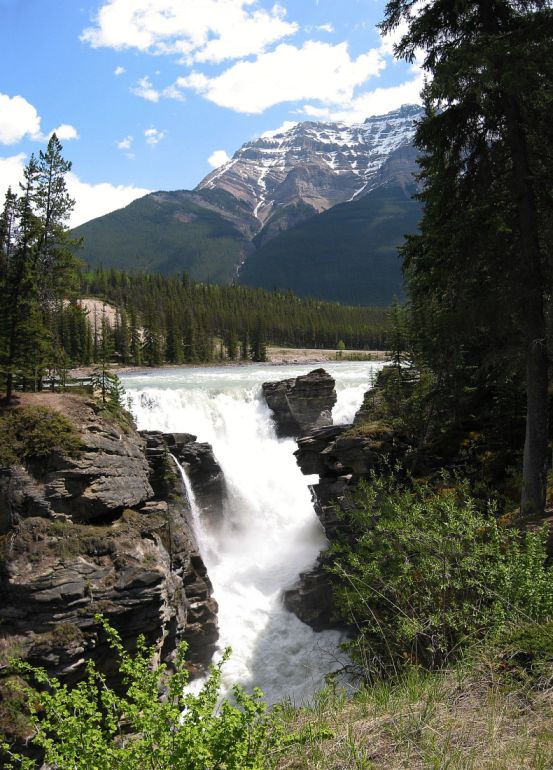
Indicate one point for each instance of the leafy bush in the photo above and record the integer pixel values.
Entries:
(427, 571)
(527, 647)
(34, 433)
(92, 727)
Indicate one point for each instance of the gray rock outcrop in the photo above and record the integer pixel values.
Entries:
(341, 455)
(205, 473)
(301, 404)
(104, 532)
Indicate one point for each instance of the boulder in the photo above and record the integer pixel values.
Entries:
(302, 404)
(311, 599)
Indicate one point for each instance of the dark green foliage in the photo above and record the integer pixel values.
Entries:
(37, 273)
(34, 433)
(231, 344)
(427, 572)
(479, 273)
(346, 254)
(92, 726)
(528, 646)
(258, 348)
(181, 317)
(168, 233)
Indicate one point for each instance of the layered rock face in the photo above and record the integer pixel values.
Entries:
(302, 404)
(203, 470)
(341, 456)
(104, 532)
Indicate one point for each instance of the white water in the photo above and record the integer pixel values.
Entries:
(269, 532)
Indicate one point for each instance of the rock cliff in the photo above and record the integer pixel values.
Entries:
(203, 470)
(302, 404)
(341, 456)
(106, 531)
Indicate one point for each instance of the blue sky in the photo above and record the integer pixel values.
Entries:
(152, 94)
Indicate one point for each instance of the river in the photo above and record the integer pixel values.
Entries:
(268, 532)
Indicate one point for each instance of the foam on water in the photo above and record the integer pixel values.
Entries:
(269, 532)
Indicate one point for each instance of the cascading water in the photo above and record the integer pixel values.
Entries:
(269, 532)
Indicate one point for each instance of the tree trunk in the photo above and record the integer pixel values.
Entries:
(9, 387)
(534, 471)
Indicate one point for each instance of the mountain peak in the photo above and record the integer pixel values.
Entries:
(313, 164)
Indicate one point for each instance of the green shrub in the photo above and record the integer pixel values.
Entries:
(527, 647)
(34, 433)
(92, 727)
(427, 572)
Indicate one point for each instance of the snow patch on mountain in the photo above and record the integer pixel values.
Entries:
(319, 164)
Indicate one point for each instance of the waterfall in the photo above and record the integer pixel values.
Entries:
(268, 533)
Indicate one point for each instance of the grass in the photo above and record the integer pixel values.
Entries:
(473, 717)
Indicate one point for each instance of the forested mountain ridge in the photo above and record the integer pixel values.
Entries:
(218, 231)
(347, 254)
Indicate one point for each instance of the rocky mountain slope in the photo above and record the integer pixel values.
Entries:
(314, 164)
(283, 179)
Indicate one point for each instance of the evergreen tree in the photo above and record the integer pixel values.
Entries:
(190, 337)
(231, 344)
(101, 377)
(22, 329)
(8, 225)
(245, 346)
(135, 339)
(37, 269)
(55, 249)
(258, 349)
(152, 350)
(478, 273)
(174, 352)
(122, 337)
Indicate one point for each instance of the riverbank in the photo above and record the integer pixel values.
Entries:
(275, 355)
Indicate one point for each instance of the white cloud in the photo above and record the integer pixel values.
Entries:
(125, 144)
(154, 136)
(376, 102)
(91, 200)
(286, 126)
(172, 92)
(317, 71)
(218, 158)
(146, 90)
(319, 28)
(119, 70)
(18, 119)
(95, 200)
(11, 173)
(65, 132)
(207, 31)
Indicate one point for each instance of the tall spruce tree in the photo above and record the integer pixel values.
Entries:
(37, 268)
(478, 272)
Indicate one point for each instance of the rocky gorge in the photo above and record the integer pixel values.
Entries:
(108, 530)
(341, 455)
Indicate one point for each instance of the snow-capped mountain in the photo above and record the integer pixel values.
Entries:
(317, 164)
(271, 216)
